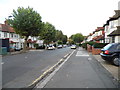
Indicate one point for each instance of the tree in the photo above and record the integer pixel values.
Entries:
(70, 41)
(64, 39)
(59, 35)
(77, 38)
(26, 22)
(48, 33)
(59, 42)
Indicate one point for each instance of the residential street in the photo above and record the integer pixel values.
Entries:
(79, 71)
(46, 44)
(22, 69)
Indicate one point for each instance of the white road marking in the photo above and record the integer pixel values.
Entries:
(26, 57)
(42, 85)
(89, 58)
(81, 53)
(2, 62)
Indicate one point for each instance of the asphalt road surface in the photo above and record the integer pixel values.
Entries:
(20, 70)
(80, 70)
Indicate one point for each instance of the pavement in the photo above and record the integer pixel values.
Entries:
(108, 66)
(79, 70)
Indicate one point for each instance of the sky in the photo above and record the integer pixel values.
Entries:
(69, 16)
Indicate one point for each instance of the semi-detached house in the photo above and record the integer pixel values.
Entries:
(96, 36)
(7, 32)
(112, 28)
(15, 40)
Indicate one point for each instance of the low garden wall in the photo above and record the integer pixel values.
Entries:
(96, 51)
(96, 48)
(93, 47)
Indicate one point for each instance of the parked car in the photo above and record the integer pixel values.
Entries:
(73, 47)
(51, 47)
(64, 46)
(17, 49)
(111, 52)
(59, 46)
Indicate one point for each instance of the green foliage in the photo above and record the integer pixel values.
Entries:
(70, 41)
(84, 45)
(91, 43)
(64, 39)
(80, 45)
(58, 35)
(99, 45)
(41, 47)
(47, 33)
(59, 42)
(36, 45)
(26, 21)
(77, 38)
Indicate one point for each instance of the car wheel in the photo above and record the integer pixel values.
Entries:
(116, 61)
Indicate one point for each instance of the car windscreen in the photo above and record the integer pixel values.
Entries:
(107, 47)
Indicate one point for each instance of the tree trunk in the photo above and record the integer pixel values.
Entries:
(25, 44)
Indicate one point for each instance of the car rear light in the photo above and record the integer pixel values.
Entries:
(106, 52)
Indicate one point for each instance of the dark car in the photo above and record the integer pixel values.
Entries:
(111, 52)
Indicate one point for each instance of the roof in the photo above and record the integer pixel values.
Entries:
(6, 28)
(116, 32)
(101, 37)
(117, 14)
(98, 29)
(114, 17)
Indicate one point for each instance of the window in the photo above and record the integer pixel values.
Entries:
(113, 39)
(12, 35)
(108, 46)
(5, 34)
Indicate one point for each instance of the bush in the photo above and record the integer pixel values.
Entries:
(80, 45)
(36, 45)
(84, 45)
(59, 42)
(99, 45)
(41, 47)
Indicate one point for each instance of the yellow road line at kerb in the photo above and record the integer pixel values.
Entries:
(47, 71)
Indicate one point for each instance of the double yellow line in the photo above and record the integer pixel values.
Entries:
(48, 71)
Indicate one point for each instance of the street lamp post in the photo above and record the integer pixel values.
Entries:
(9, 31)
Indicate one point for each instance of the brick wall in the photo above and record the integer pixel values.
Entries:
(96, 51)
